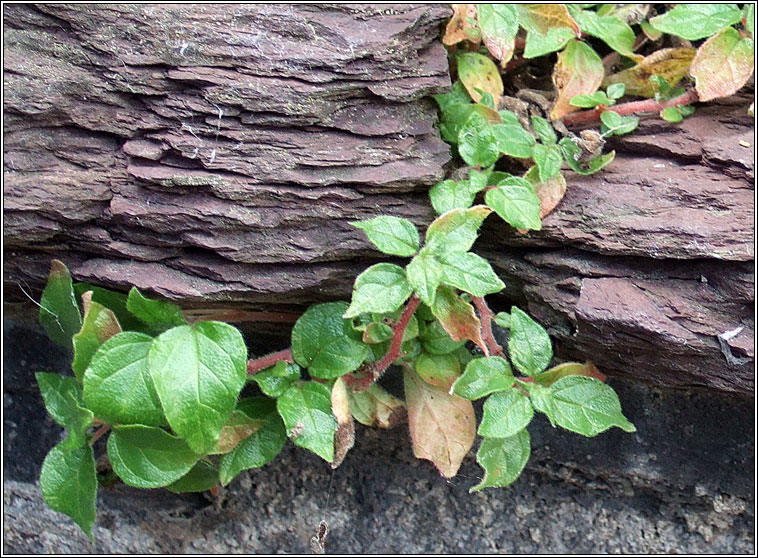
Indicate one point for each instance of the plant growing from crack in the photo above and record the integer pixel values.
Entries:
(183, 408)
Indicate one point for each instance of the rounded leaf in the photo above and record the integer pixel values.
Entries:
(381, 288)
(325, 343)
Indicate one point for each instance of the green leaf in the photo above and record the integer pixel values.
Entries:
(529, 344)
(277, 379)
(749, 15)
(456, 230)
(505, 414)
(587, 406)
(100, 324)
(616, 90)
(617, 125)
(442, 426)
(457, 95)
(157, 314)
(484, 376)
(307, 413)
(149, 457)
(510, 118)
(59, 314)
(391, 235)
(515, 201)
(696, 21)
(198, 372)
(549, 160)
(613, 31)
(476, 143)
(499, 25)
(503, 319)
(381, 288)
(260, 447)
(438, 370)
(590, 101)
(722, 64)
(513, 140)
(671, 114)
(542, 399)
(69, 484)
(555, 39)
(63, 400)
(203, 476)
(503, 459)
(113, 301)
(325, 343)
(449, 194)
(424, 274)
(572, 154)
(549, 377)
(436, 340)
(544, 130)
(470, 272)
(118, 386)
(453, 119)
(476, 71)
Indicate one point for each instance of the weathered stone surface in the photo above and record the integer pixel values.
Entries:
(216, 157)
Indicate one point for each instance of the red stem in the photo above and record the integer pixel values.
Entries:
(398, 330)
(486, 316)
(395, 351)
(647, 105)
(258, 364)
(98, 433)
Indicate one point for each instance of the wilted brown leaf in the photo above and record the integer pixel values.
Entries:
(458, 28)
(457, 317)
(237, 428)
(442, 426)
(344, 437)
(375, 407)
(671, 64)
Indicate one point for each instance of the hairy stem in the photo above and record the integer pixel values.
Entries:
(486, 316)
(258, 364)
(647, 105)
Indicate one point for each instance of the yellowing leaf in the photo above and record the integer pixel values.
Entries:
(459, 28)
(540, 18)
(476, 71)
(375, 407)
(442, 426)
(550, 192)
(579, 71)
(722, 65)
(669, 63)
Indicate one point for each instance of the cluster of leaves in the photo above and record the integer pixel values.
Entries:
(169, 396)
(514, 33)
(474, 122)
(167, 393)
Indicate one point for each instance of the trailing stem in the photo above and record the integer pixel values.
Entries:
(648, 105)
(256, 365)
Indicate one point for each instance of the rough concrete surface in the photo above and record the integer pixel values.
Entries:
(684, 483)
